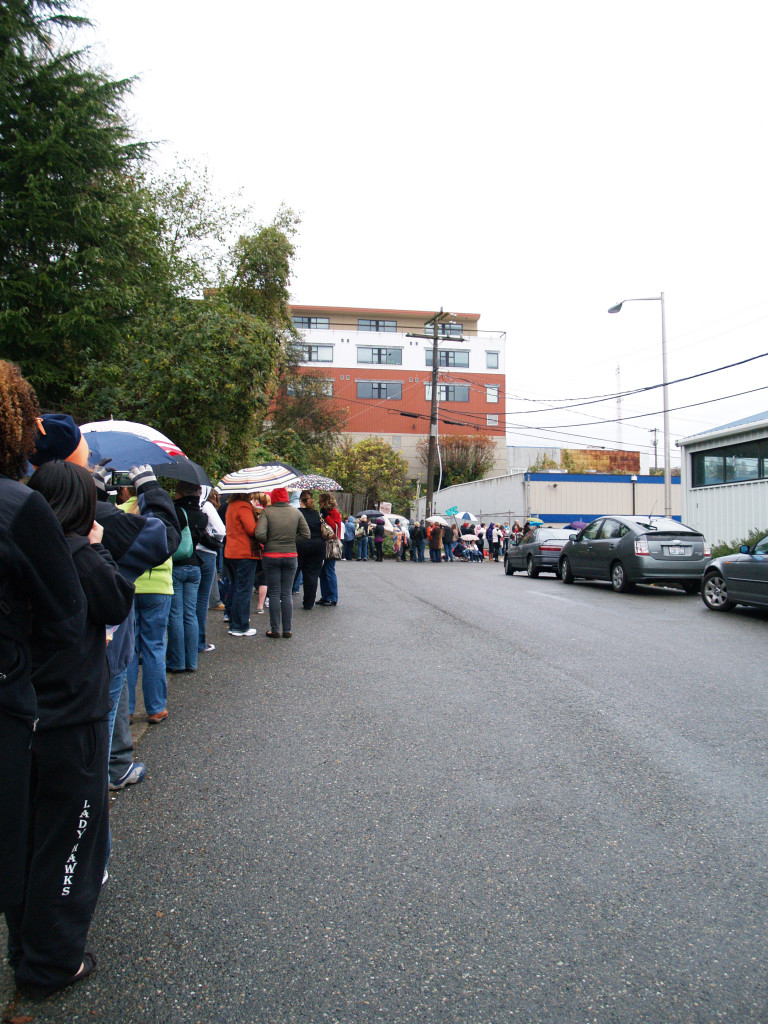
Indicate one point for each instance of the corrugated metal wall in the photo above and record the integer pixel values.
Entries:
(728, 512)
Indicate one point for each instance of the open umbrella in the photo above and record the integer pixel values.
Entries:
(577, 524)
(438, 519)
(136, 429)
(124, 450)
(468, 517)
(184, 469)
(259, 478)
(536, 522)
(313, 482)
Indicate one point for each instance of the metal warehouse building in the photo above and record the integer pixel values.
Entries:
(724, 475)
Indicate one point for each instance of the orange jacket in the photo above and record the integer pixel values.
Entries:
(241, 526)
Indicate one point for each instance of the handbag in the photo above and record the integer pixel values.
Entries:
(333, 549)
(185, 549)
(327, 532)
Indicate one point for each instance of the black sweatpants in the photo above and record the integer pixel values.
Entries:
(69, 825)
(311, 555)
(15, 759)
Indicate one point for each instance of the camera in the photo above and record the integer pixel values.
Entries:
(121, 479)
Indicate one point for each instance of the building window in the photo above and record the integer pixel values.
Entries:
(318, 353)
(492, 419)
(311, 323)
(380, 389)
(449, 357)
(377, 325)
(492, 360)
(448, 392)
(492, 394)
(388, 356)
(730, 464)
(446, 330)
(310, 386)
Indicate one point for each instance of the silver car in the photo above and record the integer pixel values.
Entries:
(636, 549)
(539, 554)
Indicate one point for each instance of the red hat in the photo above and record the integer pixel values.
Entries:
(279, 494)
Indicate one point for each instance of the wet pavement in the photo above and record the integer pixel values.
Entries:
(455, 797)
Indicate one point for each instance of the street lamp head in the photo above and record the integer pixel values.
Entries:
(616, 309)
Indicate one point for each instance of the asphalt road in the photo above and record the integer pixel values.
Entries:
(456, 797)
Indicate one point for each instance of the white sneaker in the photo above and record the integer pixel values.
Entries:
(242, 632)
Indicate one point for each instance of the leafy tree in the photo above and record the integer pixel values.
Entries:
(371, 467)
(465, 457)
(76, 245)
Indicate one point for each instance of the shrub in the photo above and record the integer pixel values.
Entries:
(729, 549)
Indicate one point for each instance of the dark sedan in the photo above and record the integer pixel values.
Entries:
(737, 579)
(539, 554)
(636, 549)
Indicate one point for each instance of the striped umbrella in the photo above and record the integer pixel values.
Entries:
(259, 478)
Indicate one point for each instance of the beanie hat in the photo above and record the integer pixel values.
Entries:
(57, 438)
(279, 494)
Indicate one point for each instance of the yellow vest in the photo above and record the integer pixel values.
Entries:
(159, 579)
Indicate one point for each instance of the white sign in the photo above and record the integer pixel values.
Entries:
(385, 507)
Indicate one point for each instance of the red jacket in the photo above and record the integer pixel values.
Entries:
(333, 518)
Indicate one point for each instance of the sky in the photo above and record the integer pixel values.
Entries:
(532, 162)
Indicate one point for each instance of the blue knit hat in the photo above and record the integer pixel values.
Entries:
(60, 438)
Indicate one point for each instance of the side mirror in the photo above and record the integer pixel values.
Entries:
(744, 549)
(573, 536)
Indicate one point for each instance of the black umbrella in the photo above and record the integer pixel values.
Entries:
(184, 469)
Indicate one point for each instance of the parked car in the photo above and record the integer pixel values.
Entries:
(539, 554)
(636, 549)
(737, 579)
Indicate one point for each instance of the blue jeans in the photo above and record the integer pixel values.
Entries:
(152, 611)
(448, 546)
(329, 588)
(182, 621)
(244, 573)
(207, 576)
(362, 549)
(420, 545)
(279, 574)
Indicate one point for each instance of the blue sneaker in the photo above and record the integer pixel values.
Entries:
(135, 773)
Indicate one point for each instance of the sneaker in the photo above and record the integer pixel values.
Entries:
(207, 648)
(219, 607)
(135, 773)
(158, 718)
(242, 632)
(259, 611)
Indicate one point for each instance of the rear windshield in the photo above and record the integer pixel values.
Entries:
(553, 534)
(663, 525)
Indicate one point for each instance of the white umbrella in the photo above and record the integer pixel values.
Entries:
(438, 519)
(468, 517)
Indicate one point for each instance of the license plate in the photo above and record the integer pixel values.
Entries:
(677, 551)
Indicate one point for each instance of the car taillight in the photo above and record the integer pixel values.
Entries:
(707, 550)
(641, 546)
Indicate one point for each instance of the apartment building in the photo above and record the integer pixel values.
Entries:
(378, 364)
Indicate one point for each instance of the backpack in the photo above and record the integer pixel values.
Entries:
(186, 546)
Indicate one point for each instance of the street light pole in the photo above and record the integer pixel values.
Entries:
(665, 398)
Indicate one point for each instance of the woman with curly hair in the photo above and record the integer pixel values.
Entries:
(42, 601)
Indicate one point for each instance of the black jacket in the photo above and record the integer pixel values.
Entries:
(72, 684)
(40, 595)
(188, 510)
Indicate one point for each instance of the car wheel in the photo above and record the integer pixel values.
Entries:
(531, 569)
(714, 593)
(508, 570)
(691, 586)
(566, 574)
(619, 580)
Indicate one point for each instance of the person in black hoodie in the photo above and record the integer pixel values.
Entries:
(40, 597)
(69, 816)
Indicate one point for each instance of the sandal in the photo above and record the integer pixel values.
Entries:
(273, 636)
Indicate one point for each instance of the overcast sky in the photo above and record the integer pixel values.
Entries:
(532, 162)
